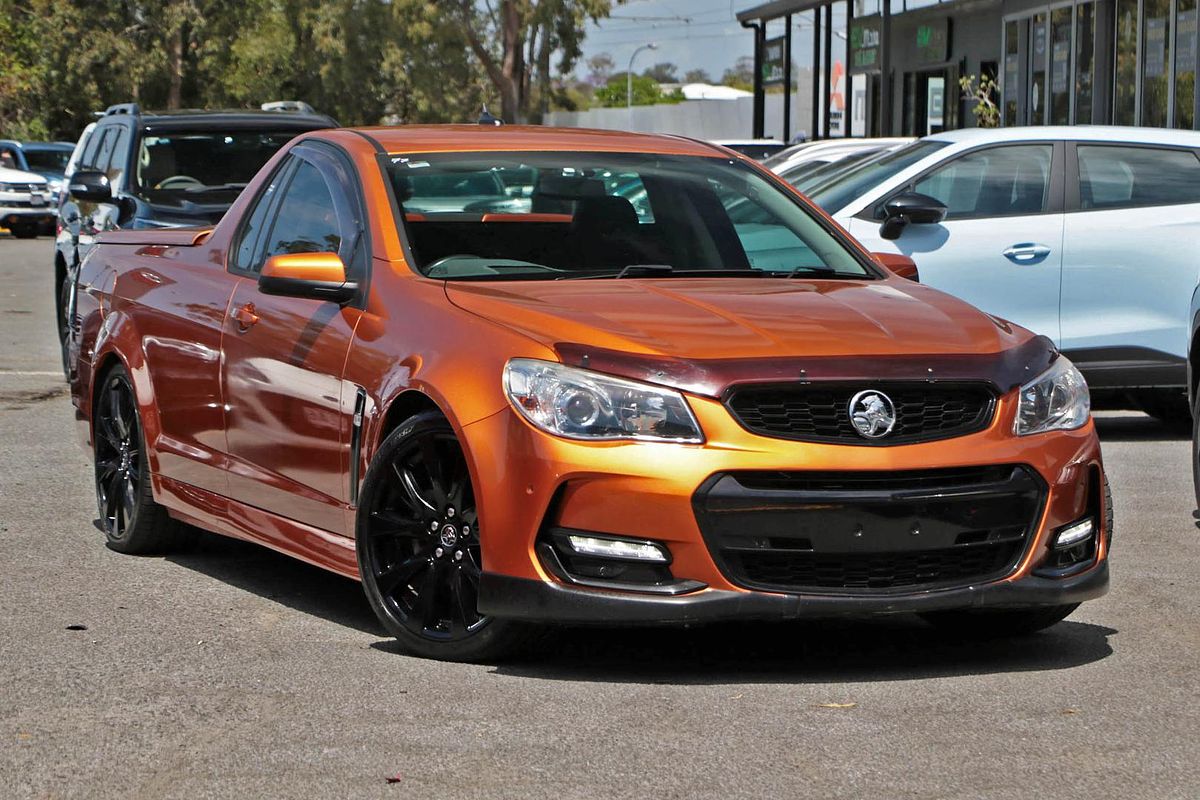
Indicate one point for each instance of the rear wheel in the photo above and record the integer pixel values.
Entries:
(133, 523)
(998, 623)
(418, 547)
(1196, 450)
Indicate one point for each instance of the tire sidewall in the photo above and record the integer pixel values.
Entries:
(494, 636)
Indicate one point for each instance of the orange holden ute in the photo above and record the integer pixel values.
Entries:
(515, 376)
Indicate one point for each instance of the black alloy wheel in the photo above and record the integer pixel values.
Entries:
(132, 521)
(418, 546)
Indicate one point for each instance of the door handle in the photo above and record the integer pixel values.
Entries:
(1027, 253)
(245, 317)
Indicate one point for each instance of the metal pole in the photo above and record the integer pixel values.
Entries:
(787, 80)
(816, 76)
(885, 69)
(827, 77)
(629, 79)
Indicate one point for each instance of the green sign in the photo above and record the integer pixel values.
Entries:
(773, 61)
(933, 42)
(864, 44)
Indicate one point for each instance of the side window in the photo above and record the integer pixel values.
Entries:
(1124, 177)
(8, 158)
(255, 221)
(89, 160)
(114, 165)
(306, 219)
(996, 182)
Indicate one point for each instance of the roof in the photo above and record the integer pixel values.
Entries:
(707, 91)
(1098, 133)
(236, 119)
(480, 138)
(35, 146)
(778, 8)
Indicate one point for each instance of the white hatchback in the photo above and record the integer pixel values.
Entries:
(25, 203)
(1085, 234)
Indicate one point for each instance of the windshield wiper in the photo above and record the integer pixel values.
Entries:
(820, 270)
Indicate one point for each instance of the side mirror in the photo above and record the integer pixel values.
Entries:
(900, 265)
(910, 207)
(319, 276)
(91, 186)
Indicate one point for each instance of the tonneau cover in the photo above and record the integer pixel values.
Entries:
(170, 237)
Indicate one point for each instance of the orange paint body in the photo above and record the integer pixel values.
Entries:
(249, 428)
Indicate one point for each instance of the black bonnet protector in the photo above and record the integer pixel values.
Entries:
(714, 377)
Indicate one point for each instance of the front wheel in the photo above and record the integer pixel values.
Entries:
(998, 623)
(418, 547)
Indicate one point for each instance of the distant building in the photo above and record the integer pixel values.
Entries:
(1124, 62)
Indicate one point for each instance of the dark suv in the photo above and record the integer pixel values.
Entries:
(135, 169)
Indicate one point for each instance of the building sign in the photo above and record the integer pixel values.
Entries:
(864, 44)
(772, 63)
(1060, 66)
(933, 42)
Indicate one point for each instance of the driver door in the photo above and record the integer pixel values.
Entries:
(286, 426)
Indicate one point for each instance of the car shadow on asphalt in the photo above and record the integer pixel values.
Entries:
(1133, 426)
(279, 578)
(827, 651)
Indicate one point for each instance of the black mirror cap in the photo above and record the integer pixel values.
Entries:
(891, 228)
(339, 293)
(91, 186)
(919, 209)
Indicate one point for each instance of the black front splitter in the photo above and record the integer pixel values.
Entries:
(508, 597)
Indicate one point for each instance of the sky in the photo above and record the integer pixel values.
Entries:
(712, 40)
(692, 34)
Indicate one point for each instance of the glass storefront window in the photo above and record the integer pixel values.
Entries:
(1060, 66)
(1156, 50)
(1085, 60)
(1012, 70)
(1125, 79)
(1037, 70)
(1185, 64)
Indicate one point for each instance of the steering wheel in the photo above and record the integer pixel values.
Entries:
(178, 182)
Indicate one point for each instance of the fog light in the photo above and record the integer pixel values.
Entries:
(629, 550)
(1075, 534)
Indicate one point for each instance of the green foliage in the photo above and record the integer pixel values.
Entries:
(663, 72)
(615, 94)
(983, 97)
(361, 61)
(740, 75)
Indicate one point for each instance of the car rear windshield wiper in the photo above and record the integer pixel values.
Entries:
(665, 271)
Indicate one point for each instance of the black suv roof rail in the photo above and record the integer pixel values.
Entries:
(132, 109)
(298, 106)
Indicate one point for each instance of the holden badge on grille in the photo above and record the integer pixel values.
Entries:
(872, 413)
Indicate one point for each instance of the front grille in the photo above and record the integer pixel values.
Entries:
(820, 412)
(24, 187)
(864, 532)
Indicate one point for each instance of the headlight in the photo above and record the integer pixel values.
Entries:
(1056, 400)
(580, 404)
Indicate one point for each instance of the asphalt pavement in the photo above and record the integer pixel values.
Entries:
(230, 671)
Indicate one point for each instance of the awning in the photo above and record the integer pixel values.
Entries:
(779, 8)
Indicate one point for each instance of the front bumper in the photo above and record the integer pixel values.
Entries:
(16, 215)
(535, 483)
(545, 601)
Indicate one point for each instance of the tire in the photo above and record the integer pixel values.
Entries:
(1196, 450)
(64, 324)
(418, 547)
(1170, 407)
(132, 522)
(24, 231)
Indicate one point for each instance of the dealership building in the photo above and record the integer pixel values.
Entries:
(892, 67)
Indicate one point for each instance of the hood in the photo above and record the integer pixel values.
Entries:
(723, 318)
(19, 176)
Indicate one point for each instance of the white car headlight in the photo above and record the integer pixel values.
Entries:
(581, 404)
(1056, 400)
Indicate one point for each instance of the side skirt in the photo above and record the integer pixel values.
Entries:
(218, 514)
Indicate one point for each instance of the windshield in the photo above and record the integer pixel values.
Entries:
(202, 166)
(607, 215)
(48, 160)
(815, 174)
(848, 186)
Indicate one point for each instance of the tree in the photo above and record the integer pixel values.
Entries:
(645, 92)
(663, 72)
(515, 39)
(740, 75)
(697, 76)
(600, 68)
